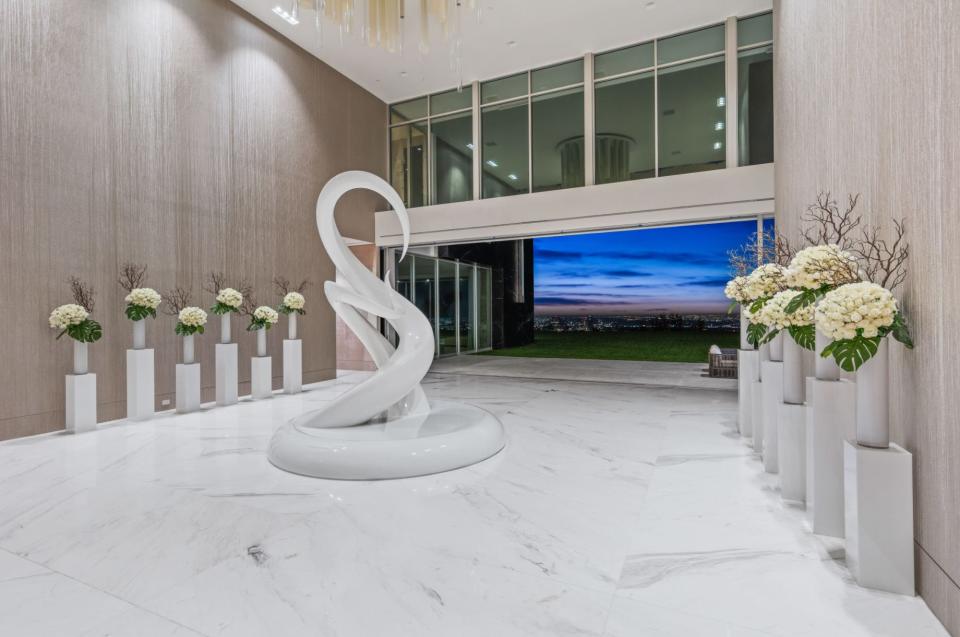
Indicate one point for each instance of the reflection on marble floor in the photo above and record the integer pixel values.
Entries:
(614, 510)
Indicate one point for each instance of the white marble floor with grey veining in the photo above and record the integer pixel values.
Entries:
(615, 510)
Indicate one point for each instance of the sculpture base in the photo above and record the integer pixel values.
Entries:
(452, 436)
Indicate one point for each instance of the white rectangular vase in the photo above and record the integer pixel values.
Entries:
(879, 517)
(188, 387)
(829, 418)
(225, 355)
(772, 400)
(873, 411)
(261, 377)
(747, 375)
(81, 402)
(141, 400)
(292, 366)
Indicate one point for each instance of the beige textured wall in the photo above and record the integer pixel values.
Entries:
(867, 95)
(180, 133)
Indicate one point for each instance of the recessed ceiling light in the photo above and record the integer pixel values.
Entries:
(717, 145)
(286, 16)
(721, 101)
(718, 126)
(512, 176)
(492, 163)
(470, 146)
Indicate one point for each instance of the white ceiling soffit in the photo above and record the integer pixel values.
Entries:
(511, 36)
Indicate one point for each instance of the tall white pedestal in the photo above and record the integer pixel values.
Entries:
(292, 365)
(772, 399)
(756, 414)
(261, 377)
(226, 373)
(188, 387)
(831, 410)
(792, 452)
(747, 374)
(140, 385)
(81, 403)
(878, 484)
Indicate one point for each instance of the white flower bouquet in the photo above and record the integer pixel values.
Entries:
(816, 270)
(190, 321)
(292, 302)
(857, 316)
(263, 318)
(736, 291)
(774, 316)
(755, 291)
(74, 320)
(228, 300)
(141, 303)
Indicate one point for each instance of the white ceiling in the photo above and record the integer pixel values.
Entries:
(511, 36)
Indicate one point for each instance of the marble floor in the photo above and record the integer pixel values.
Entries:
(615, 510)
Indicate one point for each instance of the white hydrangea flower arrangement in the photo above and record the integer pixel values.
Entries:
(736, 291)
(292, 302)
(74, 320)
(228, 300)
(190, 321)
(857, 316)
(756, 290)
(816, 270)
(141, 303)
(263, 318)
(774, 316)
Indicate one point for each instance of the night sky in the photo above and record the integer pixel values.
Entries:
(650, 271)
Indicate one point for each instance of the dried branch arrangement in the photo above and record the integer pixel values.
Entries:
(767, 247)
(249, 303)
(283, 287)
(826, 223)
(175, 300)
(82, 293)
(217, 281)
(132, 276)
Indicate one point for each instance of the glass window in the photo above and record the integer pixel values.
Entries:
(504, 88)
(557, 121)
(556, 76)
(452, 157)
(693, 44)
(504, 157)
(632, 58)
(467, 327)
(755, 106)
(624, 144)
(425, 285)
(447, 296)
(692, 116)
(409, 110)
(402, 270)
(451, 100)
(755, 30)
(484, 308)
(408, 162)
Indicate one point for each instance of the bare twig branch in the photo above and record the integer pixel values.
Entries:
(82, 293)
(283, 286)
(826, 223)
(768, 247)
(249, 303)
(216, 281)
(175, 300)
(883, 263)
(132, 275)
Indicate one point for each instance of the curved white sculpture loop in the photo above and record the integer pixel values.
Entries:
(383, 427)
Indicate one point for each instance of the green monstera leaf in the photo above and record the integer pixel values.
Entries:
(755, 332)
(804, 335)
(805, 298)
(769, 336)
(87, 331)
(852, 353)
(139, 312)
(900, 331)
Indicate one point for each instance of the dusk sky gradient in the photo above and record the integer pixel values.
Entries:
(647, 271)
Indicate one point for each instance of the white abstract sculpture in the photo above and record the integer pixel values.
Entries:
(384, 427)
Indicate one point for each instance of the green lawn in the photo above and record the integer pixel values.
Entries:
(686, 346)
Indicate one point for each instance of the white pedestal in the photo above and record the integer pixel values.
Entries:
(292, 365)
(792, 452)
(829, 417)
(261, 376)
(226, 373)
(140, 385)
(188, 387)
(81, 403)
(756, 414)
(772, 400)
(878, 484)
(747, 374)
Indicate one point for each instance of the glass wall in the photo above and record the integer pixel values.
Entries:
(755, 89)
(455, 296)
(659, 108)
